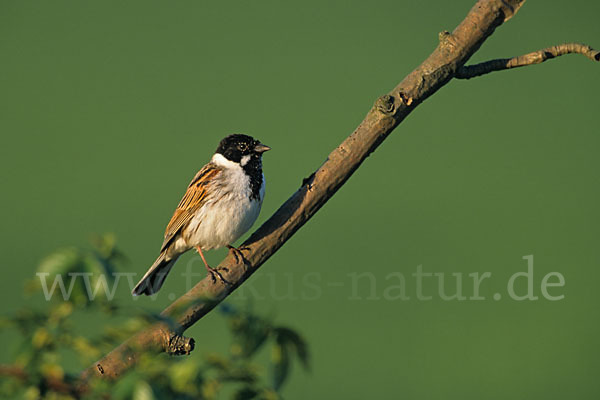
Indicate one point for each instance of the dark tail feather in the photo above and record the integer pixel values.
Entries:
(155, 277)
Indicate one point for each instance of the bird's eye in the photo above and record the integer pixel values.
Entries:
(243, 147)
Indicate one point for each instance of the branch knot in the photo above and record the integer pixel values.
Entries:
(385, 104)
(447, 41)
(179, 345)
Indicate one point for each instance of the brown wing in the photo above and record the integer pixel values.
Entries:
(192, 200)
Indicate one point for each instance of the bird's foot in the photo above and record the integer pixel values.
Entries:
(212, 272)
(237, 253)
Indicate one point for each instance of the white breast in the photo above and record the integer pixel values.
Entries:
(228, 213)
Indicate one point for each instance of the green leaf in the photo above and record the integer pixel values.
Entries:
(281, 363)
(246, 393)
(250, 332)
(125, 387)
(98, 266)
(184, 375)
(104, 243)
(61, 261)
(56, 268)
(143, 391)
(291, 338)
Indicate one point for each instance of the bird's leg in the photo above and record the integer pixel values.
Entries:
(211, 271)
(237, 253)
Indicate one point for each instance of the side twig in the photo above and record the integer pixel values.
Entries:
(537, 57)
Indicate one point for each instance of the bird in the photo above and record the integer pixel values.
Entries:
(221, 203)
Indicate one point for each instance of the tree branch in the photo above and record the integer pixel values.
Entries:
(537, 57)
(388, 111)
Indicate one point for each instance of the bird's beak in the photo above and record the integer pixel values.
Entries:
(261, 148)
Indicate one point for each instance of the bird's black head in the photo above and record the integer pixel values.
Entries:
(241, 149)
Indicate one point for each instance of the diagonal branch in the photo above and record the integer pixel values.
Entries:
(537, 57)
(389, 110)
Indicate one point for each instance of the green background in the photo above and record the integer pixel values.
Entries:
(107, 109)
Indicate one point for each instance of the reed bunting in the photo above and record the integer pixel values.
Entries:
(221, 203)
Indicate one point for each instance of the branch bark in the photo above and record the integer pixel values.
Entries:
(388, 111)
